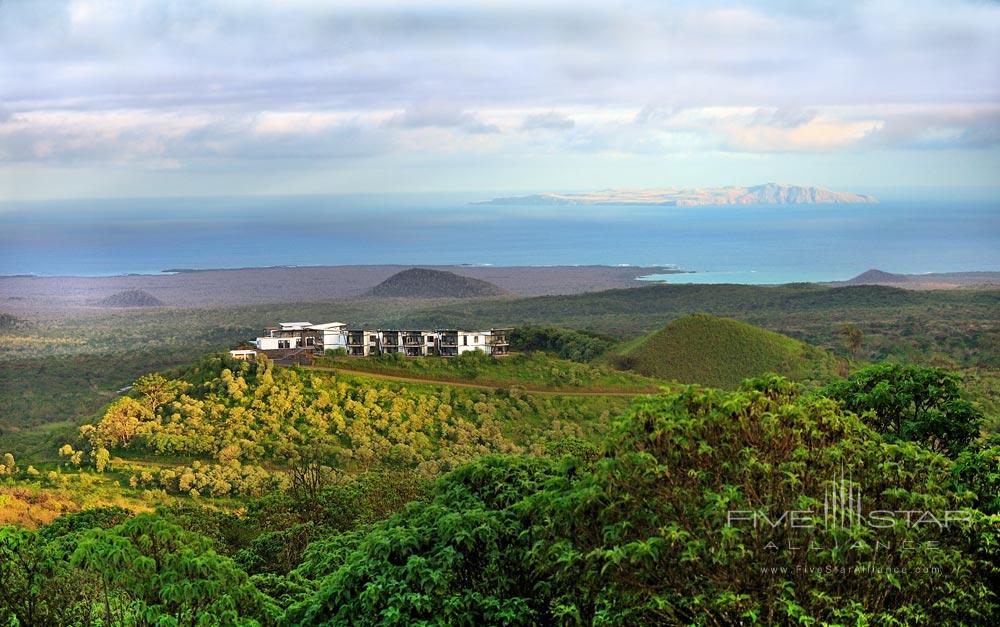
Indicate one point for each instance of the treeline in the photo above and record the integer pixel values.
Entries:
(564, 343)
(641, 533)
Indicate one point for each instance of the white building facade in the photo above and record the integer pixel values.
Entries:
(363, 342)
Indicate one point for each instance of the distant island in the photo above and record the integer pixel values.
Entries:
(767, 194)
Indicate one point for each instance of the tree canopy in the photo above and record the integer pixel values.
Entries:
(910, 402)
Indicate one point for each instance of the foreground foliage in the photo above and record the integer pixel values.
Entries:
(643, 535)
(909, 402)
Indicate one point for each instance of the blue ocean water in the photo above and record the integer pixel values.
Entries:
(746, 244)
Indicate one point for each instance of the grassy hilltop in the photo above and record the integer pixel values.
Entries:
(721, 352)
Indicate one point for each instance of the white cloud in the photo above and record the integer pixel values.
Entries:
(172, 83)
(441, 115)
(550, 120)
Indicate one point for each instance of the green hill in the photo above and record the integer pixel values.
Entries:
(721, 352)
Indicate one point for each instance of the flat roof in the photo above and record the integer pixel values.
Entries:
(327, 325)
(293, 326)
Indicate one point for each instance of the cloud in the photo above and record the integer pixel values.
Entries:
(172, 83)
(441, 115)
(978, 128)
(655, 113)
(784, 117)
(550, 120)
(318, 55)
(157, 140)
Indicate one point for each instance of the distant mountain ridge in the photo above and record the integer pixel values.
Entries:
(930, 280)
(426, 283)
(767, 194)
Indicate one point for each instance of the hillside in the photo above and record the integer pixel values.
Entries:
(721, 352)
(877, 277)
(131, 298)
(766, 194)
(929, 280)
(425, 283)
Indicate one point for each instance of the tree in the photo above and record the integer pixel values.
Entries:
(155, 391)
(853, 338)
(9, 465)
(645, 536)
(120, 423)
(102, 457)
(909, 402)
(154, 572)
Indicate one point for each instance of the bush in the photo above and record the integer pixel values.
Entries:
(565, 343)
(909, 402)
(647, 535)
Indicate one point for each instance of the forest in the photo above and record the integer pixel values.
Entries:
(349, 514)
(176, 485)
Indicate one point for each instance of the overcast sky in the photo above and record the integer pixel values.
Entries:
(160, 97)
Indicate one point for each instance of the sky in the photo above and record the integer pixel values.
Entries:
(125, 98)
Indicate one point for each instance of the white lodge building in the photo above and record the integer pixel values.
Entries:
(288, 335)
(362, 342)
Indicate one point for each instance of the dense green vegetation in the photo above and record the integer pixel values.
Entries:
(237, 427)
(565, 343)
(952, 328)
(906, 402)
(529, 371)
(721, 352)
(226, 492)
(641, 533)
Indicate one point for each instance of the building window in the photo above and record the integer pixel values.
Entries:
(465, 340)
(475, 340)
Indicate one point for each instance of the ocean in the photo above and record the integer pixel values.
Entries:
(725, 244)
